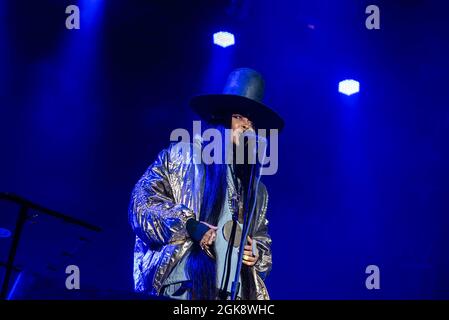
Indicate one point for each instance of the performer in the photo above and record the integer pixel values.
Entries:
(188, 217)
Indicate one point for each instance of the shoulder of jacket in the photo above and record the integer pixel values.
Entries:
(180, 152)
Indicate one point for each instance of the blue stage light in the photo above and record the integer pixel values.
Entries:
(224, 39)
(349, 87)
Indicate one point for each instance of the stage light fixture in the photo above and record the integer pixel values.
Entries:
(349, 87)
(224, 39)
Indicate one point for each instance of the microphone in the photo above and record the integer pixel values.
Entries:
(254, 146)
(251, 134)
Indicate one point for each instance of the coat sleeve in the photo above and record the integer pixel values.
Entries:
(153, 214)
(263, 242)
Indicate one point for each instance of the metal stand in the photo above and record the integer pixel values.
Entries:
(248, 217)
(25, 205)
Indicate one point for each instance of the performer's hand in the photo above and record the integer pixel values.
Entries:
(249, 258)
(210, 236)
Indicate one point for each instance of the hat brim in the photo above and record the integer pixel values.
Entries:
(217, 108)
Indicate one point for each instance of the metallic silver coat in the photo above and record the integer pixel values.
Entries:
(168, 194)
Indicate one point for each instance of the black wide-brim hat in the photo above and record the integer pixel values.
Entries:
(243, 95)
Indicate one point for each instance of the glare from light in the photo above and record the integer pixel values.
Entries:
(349, 87)
(224, 39)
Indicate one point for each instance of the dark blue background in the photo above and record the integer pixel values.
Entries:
(362, 179)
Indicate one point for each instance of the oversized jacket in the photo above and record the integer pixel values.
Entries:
(165, 197)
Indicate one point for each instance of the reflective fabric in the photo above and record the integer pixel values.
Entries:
(169, 193)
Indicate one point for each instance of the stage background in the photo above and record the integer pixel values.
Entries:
(362, 179)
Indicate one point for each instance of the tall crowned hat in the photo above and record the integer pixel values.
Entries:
(242, 94)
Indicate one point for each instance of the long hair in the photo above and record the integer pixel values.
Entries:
(202, 268)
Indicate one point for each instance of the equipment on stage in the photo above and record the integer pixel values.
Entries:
(39, 245)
